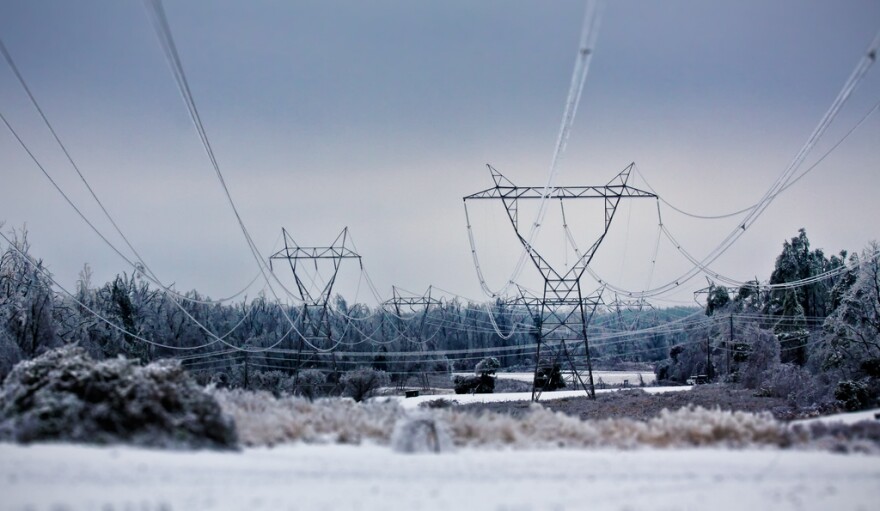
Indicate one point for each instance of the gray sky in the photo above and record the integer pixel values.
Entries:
(382, 115)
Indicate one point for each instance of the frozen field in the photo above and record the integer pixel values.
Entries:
(414, 402)
(608, 377)
(335, 477)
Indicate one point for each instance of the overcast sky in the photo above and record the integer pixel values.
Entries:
(381, 115)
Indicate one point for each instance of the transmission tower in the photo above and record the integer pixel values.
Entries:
(316, 331)
(620, 305)
(413, 306)
(564, 310)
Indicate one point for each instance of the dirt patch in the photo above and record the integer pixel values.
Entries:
(640, 405)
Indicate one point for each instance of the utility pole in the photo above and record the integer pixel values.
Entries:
(246, 360)
(564, 309)
(708, 356)
(730, 336)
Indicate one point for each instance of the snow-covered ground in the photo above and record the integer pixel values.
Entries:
(608, 377)
(413, 402)
(846, 418)
(338, 477)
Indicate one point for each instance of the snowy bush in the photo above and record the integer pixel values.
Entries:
(487, 366)
(549, 377)
(791, 382)
(363, 383)
(10, 354)
(511, 385)
(482, 384)
(310, 383)
(853, 395)
(763, 356)
(65, 395)
(264, 420)
(688, 427)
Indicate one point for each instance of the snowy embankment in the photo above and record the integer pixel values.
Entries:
(462, 399)
(341, 477)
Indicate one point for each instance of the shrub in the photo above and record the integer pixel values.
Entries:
(65, 395)
(871, 367)
(438, 403)
(363, 383)
(853, 394)
(763, 357)
(483, 384)
(274, 381)
(791, 382)
(265, 420)
(310, 383)
(487, 366)
(509, 385)
(549, 377)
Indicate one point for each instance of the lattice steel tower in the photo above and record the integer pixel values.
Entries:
(316, 331)
(563, 311)
(415, 307)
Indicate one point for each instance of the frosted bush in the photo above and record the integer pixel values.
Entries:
(688, 427)
(362, 383)
(263, 419)
(65, 395)
(310, 382)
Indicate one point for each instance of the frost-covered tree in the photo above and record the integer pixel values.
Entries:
(362, 383)
(791, 306)
(763, 355)
(852, 331)
(26, 300)
(718, 298)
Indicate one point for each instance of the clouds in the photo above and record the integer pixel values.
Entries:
(381, 116)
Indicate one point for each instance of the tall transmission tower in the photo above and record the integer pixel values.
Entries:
(316, 331)
(564, 310)
(414, 307)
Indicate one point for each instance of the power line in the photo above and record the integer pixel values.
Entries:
(785, 178)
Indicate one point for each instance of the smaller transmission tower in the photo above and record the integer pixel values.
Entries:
(316, 331)
(413, 306)
(629, 307)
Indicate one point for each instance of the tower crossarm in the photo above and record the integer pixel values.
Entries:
(315, 253)
(562, 192)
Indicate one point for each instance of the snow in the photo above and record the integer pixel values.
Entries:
(342, 477)
(608, 377)
(413, 402)
(845, 418)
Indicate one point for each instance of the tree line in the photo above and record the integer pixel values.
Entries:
(827, 329)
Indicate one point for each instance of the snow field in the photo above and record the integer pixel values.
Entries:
(263, 420)
(608, 377)
(341, 477)
(414, 402)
